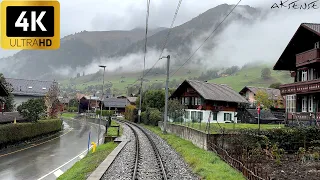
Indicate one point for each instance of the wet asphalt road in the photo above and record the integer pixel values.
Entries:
(47, 160)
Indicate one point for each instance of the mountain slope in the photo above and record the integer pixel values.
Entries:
(81, 49)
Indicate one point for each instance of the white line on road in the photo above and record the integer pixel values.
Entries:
(66, 163)
(81, 156)
(58, 173)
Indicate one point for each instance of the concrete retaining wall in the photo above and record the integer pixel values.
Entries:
(198, 138)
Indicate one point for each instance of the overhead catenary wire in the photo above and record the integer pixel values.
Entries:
(165, 42)
(206, 39)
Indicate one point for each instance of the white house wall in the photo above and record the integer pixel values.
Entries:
(20, 99)
(206, 113)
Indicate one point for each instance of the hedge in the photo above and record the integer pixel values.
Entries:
(131, 113)
(105, 112)
(12, 133)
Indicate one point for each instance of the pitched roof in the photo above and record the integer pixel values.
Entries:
(132, 99)
(115, 102)
(24, 87)
(313, 27)
(302, 40)
(272, 92)
(216, 92)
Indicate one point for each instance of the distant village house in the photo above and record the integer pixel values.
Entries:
(208, 101)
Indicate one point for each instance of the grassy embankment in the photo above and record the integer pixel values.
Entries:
(69, 115)
(214, 127)
(204, 163)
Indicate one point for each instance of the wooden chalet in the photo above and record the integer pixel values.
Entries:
(208, 101)
(302, 58)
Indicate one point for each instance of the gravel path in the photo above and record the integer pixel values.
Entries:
(123, 166)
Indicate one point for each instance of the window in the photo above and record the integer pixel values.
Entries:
(310, 106)
(227, 117)
(185, 100)
(310, 74)
(187, 115)
(214, 116)
(200, 116)
(192, 100)
(291, 103)
(304, 104)
(304, 75)
(193, 115)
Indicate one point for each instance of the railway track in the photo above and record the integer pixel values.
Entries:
(148, 162)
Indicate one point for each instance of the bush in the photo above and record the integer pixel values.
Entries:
(144, 117)
(130, 113)
(154, 117)
(151, 116)
(11, 133)
(105, 112)
(33, 109)
(73, 109)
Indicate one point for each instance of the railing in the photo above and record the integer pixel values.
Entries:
(303, 116)
(250, 171)
(300, 87)
(308, 57)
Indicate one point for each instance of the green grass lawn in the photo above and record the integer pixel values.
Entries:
(252, 77)
(69, 115)
(83, 168)
(204, 163)
(112, 131)
(215, 127)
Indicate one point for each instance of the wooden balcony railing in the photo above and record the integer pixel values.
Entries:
(308, 57)
(301, 87)
(303, 116)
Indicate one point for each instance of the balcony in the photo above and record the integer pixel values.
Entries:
(303, 116)
(308, 57)
(301, 87)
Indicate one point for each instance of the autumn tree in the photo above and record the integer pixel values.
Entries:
(51, 101)
(263, 99)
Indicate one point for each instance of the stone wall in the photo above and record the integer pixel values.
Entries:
(197, 137)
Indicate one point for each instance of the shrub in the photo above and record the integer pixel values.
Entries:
(11, 133)
(105, 112)
(154, 117)
(144, 117)
(73, 109)
(130, 113)
(33, 109)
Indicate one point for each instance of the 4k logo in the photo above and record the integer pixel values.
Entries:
(30, 24)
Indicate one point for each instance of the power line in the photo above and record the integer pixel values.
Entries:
(145, 53)
(165, 43)
(167, 37)
(206, 39)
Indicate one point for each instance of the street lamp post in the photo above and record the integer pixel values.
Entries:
(104, 69)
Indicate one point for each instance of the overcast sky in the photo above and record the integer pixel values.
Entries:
(77, 15)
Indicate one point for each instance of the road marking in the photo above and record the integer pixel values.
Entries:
(81, 156)
(58, 173)
(66, 163)
(34, 145)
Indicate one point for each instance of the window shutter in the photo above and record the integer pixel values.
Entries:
(225, 116)
(230, 116)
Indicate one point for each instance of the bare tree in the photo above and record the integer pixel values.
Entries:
(52, 101)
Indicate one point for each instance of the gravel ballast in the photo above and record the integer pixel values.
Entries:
(148, 168)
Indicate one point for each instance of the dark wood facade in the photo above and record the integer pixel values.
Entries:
(302, 97)
(193, 100)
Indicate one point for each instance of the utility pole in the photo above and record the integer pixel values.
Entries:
(139, 111)
(104, 69)
(167, 94)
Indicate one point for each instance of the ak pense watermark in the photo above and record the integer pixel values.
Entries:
(30, 24)
(297, 4)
